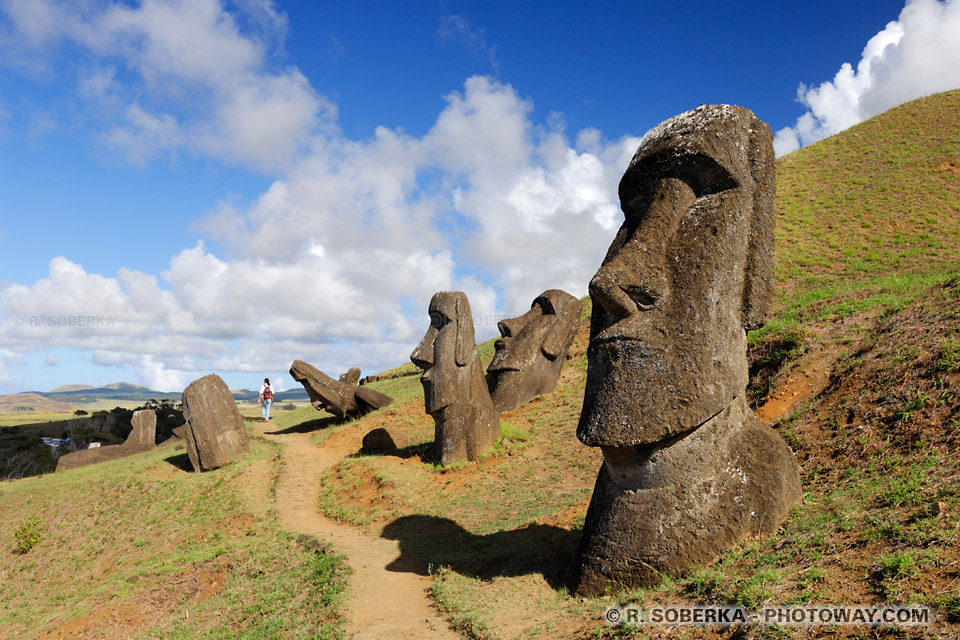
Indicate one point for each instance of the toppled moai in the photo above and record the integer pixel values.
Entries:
(689, 470)
(141, 438)
(214, 431)
(454, 390)
(532, 349)
(342, 399)
(351, 377)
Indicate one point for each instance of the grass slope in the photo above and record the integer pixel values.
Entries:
(140, 547)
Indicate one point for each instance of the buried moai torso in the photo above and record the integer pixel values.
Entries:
(688, 468)
(531, 351)
(454, 390)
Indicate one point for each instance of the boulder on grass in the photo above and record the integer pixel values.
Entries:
(214, 431)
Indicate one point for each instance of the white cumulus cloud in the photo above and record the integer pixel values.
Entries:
(913, 56)
(175, 74)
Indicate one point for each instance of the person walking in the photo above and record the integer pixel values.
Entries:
(265, 399)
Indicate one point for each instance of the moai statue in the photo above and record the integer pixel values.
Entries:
(532, 350)
(351, 377)
(343, 398)
(144, 431)
(689, 470)
(214, 431)
(454, 390)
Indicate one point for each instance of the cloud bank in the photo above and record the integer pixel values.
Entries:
(336, 261)
(913, 56)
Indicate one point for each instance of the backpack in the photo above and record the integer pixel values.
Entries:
(268, 392)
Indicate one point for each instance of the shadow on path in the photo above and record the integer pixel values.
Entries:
(430, 541)
(310, 426)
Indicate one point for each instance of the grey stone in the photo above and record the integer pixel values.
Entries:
(454, 390)
(339, 398)
(144, 431)
(384, 439)
(532, 349)
(214, 431)
(351, 377)
(688, 469)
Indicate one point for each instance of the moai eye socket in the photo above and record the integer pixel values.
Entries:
(642, 297)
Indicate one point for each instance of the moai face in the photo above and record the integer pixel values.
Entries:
(530, 353)
(446, 351)
(688, 273)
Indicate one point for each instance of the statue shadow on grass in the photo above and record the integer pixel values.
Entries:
(425, 452)
(311, 425)
(429, 542)
(180, 461)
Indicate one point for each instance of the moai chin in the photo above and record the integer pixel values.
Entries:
(454, 390)
(532, 349)
(689, 470)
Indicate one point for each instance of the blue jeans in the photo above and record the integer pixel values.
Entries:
(265, 406)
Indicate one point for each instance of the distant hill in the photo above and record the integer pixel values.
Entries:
(66, 397)
(126, 386)
(71, 387)
(293, 395)
(125, 391)
(32, 401)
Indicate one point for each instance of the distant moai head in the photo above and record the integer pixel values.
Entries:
(447, 351)
(689, 271)
(530, 353)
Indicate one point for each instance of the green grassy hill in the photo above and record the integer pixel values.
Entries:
(861, 359)
(141, 548)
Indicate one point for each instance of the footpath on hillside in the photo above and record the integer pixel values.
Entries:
(383, 604)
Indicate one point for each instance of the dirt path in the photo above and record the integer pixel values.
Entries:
(383, 604)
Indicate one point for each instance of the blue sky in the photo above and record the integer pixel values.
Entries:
(201, 186)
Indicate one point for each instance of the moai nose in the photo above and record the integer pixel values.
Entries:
(609, 289)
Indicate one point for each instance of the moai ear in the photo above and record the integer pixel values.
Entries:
(758, 279)
(465, 333)
(553, 342)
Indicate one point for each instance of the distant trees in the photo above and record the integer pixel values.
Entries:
(30, 457)
(23, 454)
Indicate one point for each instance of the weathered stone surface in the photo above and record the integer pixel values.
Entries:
(144, 431)
(688, 469)
(531, 351)
(455, 392)
(351, 377)
(214, 431)
(385, 439)
(339, 398)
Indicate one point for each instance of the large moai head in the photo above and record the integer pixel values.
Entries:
(454, 390)
(447, 352)
(531, 351)
(688, 468)
(688, 273)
